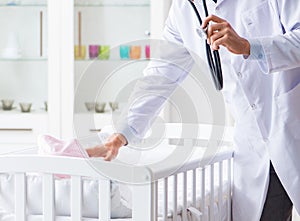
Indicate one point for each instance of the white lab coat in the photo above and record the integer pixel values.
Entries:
(264, 97)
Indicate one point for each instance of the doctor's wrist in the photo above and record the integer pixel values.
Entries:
(246, 51)
(122, 139)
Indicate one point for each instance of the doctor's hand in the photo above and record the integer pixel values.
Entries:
(110, 149)
(220, 32)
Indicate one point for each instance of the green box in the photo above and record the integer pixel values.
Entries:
(104, 52)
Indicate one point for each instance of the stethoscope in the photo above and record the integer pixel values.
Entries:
(214, 63)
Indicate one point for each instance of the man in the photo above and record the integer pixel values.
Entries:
(259, 41)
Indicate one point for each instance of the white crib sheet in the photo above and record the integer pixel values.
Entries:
(190, 217)
(121, 200)
(120, 207)
(59, 218)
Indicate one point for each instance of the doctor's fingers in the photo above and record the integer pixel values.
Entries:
(212, 18)
(97, 151)
(215, 36)
(216, 28)
(111, 154)
(109, 151)
(224, 40)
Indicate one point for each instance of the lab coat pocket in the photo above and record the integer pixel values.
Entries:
(263, 15)
(288, 106)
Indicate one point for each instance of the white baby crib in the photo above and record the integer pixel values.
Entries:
(201, 186)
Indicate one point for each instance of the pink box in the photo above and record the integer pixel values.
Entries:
(93, 51)
(147, 51)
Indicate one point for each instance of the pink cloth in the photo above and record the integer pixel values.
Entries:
(49, 145)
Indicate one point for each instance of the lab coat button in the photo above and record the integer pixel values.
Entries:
(253, 106)
(239, 74)
(260, 56)
(217, 8)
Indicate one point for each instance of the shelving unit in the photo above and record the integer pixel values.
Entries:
(23, 72)
(110, 23)
(53, 75)
(17, 131)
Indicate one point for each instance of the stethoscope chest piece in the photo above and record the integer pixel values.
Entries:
(202, 33)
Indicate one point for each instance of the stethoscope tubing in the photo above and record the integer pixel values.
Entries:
(214, 63)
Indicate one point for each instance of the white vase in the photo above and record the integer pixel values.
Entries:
(12, 49)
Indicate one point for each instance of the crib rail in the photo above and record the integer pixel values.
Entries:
(77, 168)
(221, 162)
(159, 172)
(146, 182)
(92, 167)
(145, 194)
(202, 166)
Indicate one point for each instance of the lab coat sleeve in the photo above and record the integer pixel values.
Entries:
(282, 52)
(161, 77)
(257, 53)
(256, 50)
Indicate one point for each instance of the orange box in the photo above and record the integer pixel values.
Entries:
(135, 52)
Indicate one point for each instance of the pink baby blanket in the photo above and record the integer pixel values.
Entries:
(49, 145)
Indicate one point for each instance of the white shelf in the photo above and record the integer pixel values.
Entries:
(13, 121)
(105, 114)
(24, 59)
(22, 5)
(112, 3)
(111, 60)
(99, 4)
(18, 112)
(22, 129)
(86, 124)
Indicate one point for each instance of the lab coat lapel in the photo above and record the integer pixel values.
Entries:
(220, 2)
(189, 25)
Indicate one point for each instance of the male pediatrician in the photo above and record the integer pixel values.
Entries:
(259, 42)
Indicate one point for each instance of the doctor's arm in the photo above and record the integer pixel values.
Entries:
(274, 53)
(161, 78)
(220, 33)
(282, 52)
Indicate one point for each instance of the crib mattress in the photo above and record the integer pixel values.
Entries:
(9, 217)
(120, 206)
(190, 217)
(40, 218)
(121, 198)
